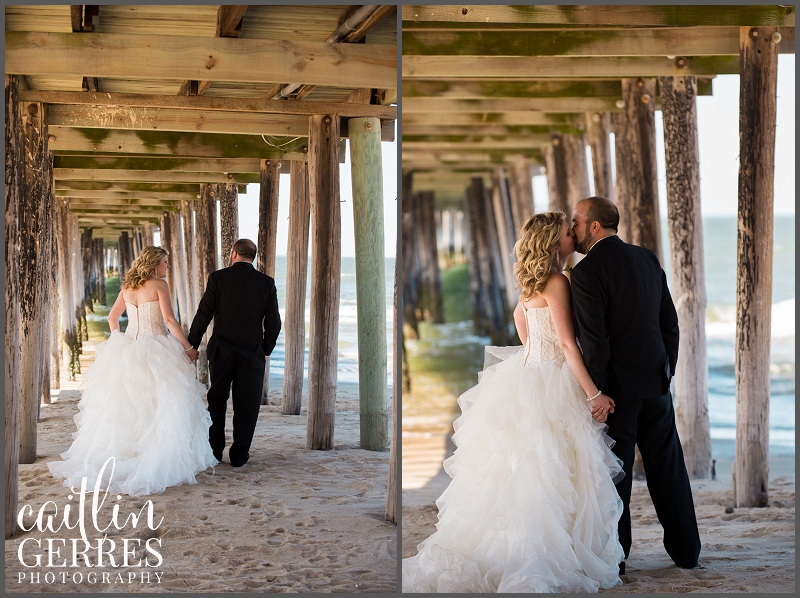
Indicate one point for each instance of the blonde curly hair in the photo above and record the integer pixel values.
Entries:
(536, 250)
(143, 267)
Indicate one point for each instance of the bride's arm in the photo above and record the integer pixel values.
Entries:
(519, 322)
(116, 311)
(162, 288)
(556, 293)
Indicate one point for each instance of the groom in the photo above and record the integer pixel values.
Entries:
(627, 327)
(244, 305)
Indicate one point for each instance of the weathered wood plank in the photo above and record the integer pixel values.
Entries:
(637, 176)
(521, 190)
(488, 16)
(129, 187)
(13, 192)
(247, 105)
(427, 158)
(478, 144)
(757, 114)
(410, 254)
(151, 176)
(417, 132)
(323, 186)
(67, 301)
(182, 58)
(598, 129)
(188, 121)
(541, 88)
(267, 234)
(228, 218)
(390, 513)
(556, 171)
(201, 145)
(160, 164)
(455, 67)
(128, 197)
(367, 182)
(412, 105)
(32, 263)
(296, 274)
(682, 41)
(688, 287)
(488, 119)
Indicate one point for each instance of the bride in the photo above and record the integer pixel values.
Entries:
(532, 505)
(141, 403)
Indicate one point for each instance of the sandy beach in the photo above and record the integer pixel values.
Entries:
(746, 550)
(290, 520)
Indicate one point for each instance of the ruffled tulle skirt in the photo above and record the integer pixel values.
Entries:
(532, 505)
(142, 405)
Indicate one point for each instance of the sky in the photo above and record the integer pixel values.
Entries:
(718, 137)
(248, 206)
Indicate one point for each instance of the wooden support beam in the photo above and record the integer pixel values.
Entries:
(86, 260)
(248, 105)
(189, 121)
(522, 206)
(391, 490)
(120, 204)
(598, 129)
(757, 114)
(190, 259)
(367, 180)
(125, 197)
(34, 215)
(368, 24)
(445, 132)
(267, 235)
(457, 16)
(478, 120)
(160, 164)
(504, 229)
(177, 260)
(687, 273)
(14, 191)
(296, 273)
(182, 58)
(166, 143)
(679, 41)
(411, 262)
(556, 171)
(68, 325)
(430, 304)
(606, 67)
(323, 184)
(228, 218)
(206, 257)
(637, 175)
(553, 105)
(151, 176)
(130, 187)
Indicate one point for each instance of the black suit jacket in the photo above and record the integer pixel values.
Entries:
(244, 305)
(626, 322)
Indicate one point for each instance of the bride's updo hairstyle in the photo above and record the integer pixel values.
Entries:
(536, 250)
(143, 267)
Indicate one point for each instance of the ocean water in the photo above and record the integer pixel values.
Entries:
(347, 368)
(719, 237)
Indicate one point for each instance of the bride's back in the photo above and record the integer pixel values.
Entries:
(146, 293)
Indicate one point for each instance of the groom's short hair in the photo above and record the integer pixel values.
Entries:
(245, 248)
(602, 210)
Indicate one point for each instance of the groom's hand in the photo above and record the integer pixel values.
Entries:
(193, 355)
(601, 407)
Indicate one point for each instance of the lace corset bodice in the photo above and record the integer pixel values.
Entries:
(145, 320)
(542, 345)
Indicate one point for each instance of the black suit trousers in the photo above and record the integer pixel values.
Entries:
(233, 374)
(650, 423)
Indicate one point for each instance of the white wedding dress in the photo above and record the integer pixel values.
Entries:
(142, 405)
(532, 505)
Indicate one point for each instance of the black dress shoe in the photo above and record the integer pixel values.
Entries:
(694, 567)
(622, 568)
(240, 462)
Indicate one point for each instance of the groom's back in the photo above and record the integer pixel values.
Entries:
(638, 316)
(242, 296)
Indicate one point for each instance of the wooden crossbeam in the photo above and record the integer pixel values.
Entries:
(411, 132)
(91, 220)
(465, 144)
(511, 67)
(200, 145)
(221, 59)
(488, 119)
(463, 159)
(508, 105)
(130, 195)
(249, 105)
(190, 121)
(151, 176)
(166, 164)
(115, 204)
(459, 16)
(540, 88)
(685, 41)
(145, 187)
